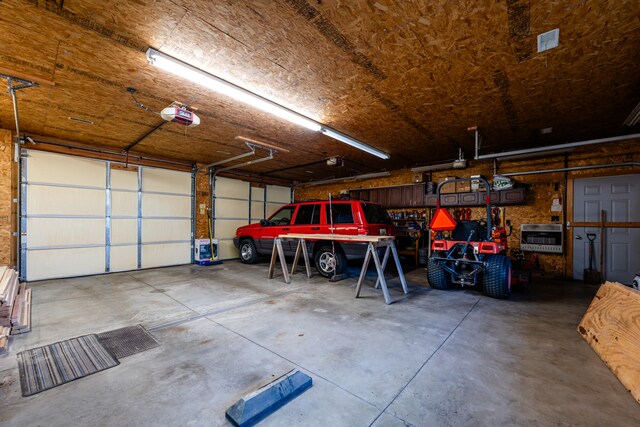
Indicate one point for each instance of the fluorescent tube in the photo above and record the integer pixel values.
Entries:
(439, 166)
(198, 76)
(186, 71)
(353, 142)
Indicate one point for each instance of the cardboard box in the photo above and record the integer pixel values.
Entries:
(463, 187)
(449, 188)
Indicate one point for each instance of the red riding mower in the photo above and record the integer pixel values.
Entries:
(466, 252)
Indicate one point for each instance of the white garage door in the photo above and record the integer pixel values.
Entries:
(231, 210)
(82, 216)
(237, 203)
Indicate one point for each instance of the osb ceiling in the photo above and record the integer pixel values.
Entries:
(407, 77)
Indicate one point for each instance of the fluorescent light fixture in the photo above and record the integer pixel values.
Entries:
(363, 176)
(189, 72)
(198, 76)
(439, 166)
(634, 117)
(353, 142)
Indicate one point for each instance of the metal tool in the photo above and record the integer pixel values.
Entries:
(591, 275)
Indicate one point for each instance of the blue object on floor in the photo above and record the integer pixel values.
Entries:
(207, 262)
(268, 399)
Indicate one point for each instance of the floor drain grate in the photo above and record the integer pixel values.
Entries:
(127, 341)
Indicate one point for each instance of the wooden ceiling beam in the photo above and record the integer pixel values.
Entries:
(27, 77)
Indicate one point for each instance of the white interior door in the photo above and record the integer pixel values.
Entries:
(619, 197)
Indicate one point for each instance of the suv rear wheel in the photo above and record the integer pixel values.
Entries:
(248, 252)
(327, 264)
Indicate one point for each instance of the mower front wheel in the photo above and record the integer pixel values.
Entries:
(438, 278)
(497, 276)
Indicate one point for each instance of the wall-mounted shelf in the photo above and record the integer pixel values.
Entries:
(513, 196)
(413, 196)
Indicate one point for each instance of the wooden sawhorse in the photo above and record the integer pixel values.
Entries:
(372, 242)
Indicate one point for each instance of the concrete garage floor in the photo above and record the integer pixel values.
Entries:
(433, 358)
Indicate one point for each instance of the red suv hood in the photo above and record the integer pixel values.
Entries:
(247, 228)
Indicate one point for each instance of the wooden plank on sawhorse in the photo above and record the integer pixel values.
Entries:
(380, 267)
(275, 253)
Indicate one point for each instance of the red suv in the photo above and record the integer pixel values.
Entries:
(315, 217)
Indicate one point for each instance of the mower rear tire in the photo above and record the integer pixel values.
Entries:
(497, 276)
(438, 278)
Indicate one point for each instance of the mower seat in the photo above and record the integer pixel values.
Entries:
(463, 229)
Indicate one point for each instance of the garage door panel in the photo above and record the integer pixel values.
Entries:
(227, 250)
(124, 258)
(124, 231)
(257, 194)
(124, 180)
(226, 228)
(232, 208)
(162, 230)
(226, 187)
(47, 200)
(124, 203)
(166, 205)
(157, 255)
(65, 231)
(273, 207)
(166, 181)
(53, 263)
(66, 170)
(257, 210)
(279, 194)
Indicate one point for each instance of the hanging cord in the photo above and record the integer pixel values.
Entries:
(140, 104)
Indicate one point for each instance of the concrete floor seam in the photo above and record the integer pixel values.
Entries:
(292, 362)
(198, 316)
(427, 361)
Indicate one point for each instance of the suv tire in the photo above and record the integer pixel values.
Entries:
(325, 261)
(437, 277)
(497, 276)
(248, 252)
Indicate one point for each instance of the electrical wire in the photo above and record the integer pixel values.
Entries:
(140, 104)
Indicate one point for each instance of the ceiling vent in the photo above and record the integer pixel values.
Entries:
(548, 40)
(76, 119)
